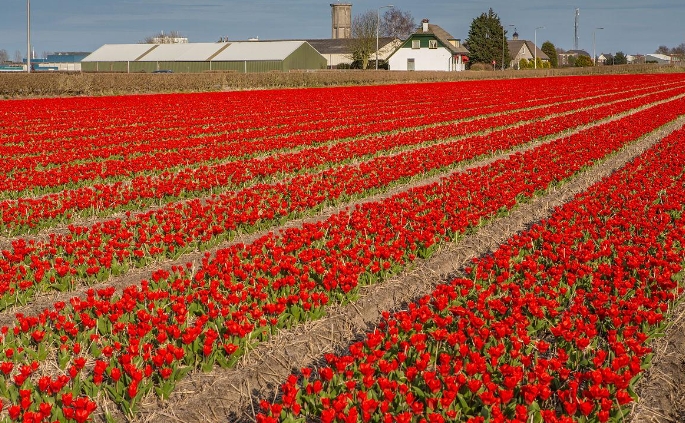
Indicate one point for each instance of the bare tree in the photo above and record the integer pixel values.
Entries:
(171, 37)
(18, 57)
(4, 56)
(363, 41)
(662, 50)
(397, 24)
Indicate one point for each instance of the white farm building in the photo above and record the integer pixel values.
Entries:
(242, 56)
(431, 48)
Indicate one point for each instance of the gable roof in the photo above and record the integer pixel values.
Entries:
(443, 36)
(258, 50)
(119, 52)
(516, 45)
(341, 45)
(659, 56)
(578, 53)
(195, 52)
(185, 52)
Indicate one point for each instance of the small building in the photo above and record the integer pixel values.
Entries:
(241, 56)
(431, 48)
(661, 59)
(566, 60)
(633, 59)
(524, 49)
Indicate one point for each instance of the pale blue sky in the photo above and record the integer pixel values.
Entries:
(631, 26)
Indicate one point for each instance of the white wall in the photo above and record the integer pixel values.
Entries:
(425, 59)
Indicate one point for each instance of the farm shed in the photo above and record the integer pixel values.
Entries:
(243, 56)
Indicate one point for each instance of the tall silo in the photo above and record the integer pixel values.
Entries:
(341, 14)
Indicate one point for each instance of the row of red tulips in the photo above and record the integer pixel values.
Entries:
(552, 327)
(65, 120)
(124, 346)
(187, 138)
(51, 170)
(37, 213)
(112, 247)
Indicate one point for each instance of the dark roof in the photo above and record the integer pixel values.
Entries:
(340, 45)
(515, 46)
(578, 53)
(444, 37)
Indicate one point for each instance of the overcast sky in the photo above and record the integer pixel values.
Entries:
(631, 26)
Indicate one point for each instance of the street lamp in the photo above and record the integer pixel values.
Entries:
(503, 41)
(535, 45)
(594, 54)
(28, 36)
(378, 27)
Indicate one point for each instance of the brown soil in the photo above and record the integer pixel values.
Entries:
(662, 389)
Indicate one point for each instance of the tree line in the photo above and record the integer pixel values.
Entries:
(5, 57)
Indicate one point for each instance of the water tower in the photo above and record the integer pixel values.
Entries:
(341, 14)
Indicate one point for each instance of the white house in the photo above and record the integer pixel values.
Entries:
(431, 48)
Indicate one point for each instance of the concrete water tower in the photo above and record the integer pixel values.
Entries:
(341, 14)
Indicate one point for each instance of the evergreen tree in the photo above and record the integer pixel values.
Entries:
(620, 58)
(551, 52)
(487, 40)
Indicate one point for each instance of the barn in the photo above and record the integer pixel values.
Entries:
(241, 56)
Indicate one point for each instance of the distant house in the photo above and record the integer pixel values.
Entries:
(66, 61)
(635, 58)
(431, 48)
(605, 59)
(523, 49)
(337, 50)
(564, 57)
(662, 59)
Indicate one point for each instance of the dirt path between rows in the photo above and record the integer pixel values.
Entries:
(662, 389)
(232, 394)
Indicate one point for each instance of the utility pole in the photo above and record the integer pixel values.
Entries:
(594, 54)
(378, 27)
(503, 41)
(535, 45)
(575, 39)
(28, 36)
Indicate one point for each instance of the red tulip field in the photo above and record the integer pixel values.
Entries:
(149, 240)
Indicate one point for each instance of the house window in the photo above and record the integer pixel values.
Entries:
(411, 65)
(415, 43)
(432, 43)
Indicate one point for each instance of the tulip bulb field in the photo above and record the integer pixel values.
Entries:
(152, 240)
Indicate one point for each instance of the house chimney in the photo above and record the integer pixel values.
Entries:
(425, 25)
